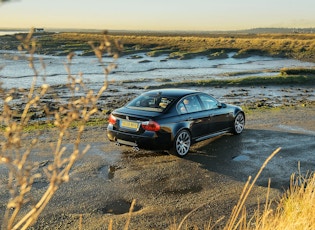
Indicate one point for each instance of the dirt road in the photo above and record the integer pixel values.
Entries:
(166, 188)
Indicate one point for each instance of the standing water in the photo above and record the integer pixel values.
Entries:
(15, 70)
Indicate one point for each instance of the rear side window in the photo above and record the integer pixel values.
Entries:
(189, 104)
(150, 102)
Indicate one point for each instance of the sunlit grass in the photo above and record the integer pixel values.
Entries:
(295, 210)
(299, 46)
(35, 126)
(246, 81)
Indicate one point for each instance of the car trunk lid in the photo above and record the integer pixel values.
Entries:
(129, 120)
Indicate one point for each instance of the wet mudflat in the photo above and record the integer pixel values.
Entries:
(108, 178)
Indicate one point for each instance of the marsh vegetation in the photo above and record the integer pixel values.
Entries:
(298, 46)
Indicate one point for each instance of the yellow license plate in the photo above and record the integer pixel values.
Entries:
(129, 124)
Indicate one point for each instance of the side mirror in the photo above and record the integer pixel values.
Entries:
(221, 105)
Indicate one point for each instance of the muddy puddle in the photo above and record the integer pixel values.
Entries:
(118, 207)
(242, 156)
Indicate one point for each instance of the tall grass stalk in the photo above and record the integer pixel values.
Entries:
(238, 216)
(15, 149)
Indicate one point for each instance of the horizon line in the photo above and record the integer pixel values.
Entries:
(150, 30)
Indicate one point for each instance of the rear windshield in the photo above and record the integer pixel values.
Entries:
(150, 102)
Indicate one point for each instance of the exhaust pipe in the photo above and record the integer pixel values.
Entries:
(135, 148)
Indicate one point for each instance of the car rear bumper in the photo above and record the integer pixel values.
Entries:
(148, 140)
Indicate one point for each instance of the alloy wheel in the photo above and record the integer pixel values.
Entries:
(239, 123)
(182, 143)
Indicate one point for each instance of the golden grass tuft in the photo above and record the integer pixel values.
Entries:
(295, 210)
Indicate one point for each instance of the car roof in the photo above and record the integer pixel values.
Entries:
(173, 92)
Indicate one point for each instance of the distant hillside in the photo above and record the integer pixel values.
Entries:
(279, 30)
(247, 31)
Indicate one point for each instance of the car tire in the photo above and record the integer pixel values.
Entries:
(182, 143)
(239, 124)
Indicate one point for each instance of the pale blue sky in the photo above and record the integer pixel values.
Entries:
(158, 14)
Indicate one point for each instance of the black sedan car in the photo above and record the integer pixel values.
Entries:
(173, 119)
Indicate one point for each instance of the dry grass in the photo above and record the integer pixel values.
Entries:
(299, 46)
(295, 210)
(21, 211)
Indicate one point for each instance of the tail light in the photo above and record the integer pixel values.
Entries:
(150, 126)
(112, 119)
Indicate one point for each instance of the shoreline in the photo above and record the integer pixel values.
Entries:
(258, 98)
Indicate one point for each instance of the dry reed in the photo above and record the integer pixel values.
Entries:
(15, 150)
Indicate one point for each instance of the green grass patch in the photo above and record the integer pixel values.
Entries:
(36, 126)
(97, 122)
(297, 71)
(250, 109)
(41, 125)
(248, 81)
(156, 53)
